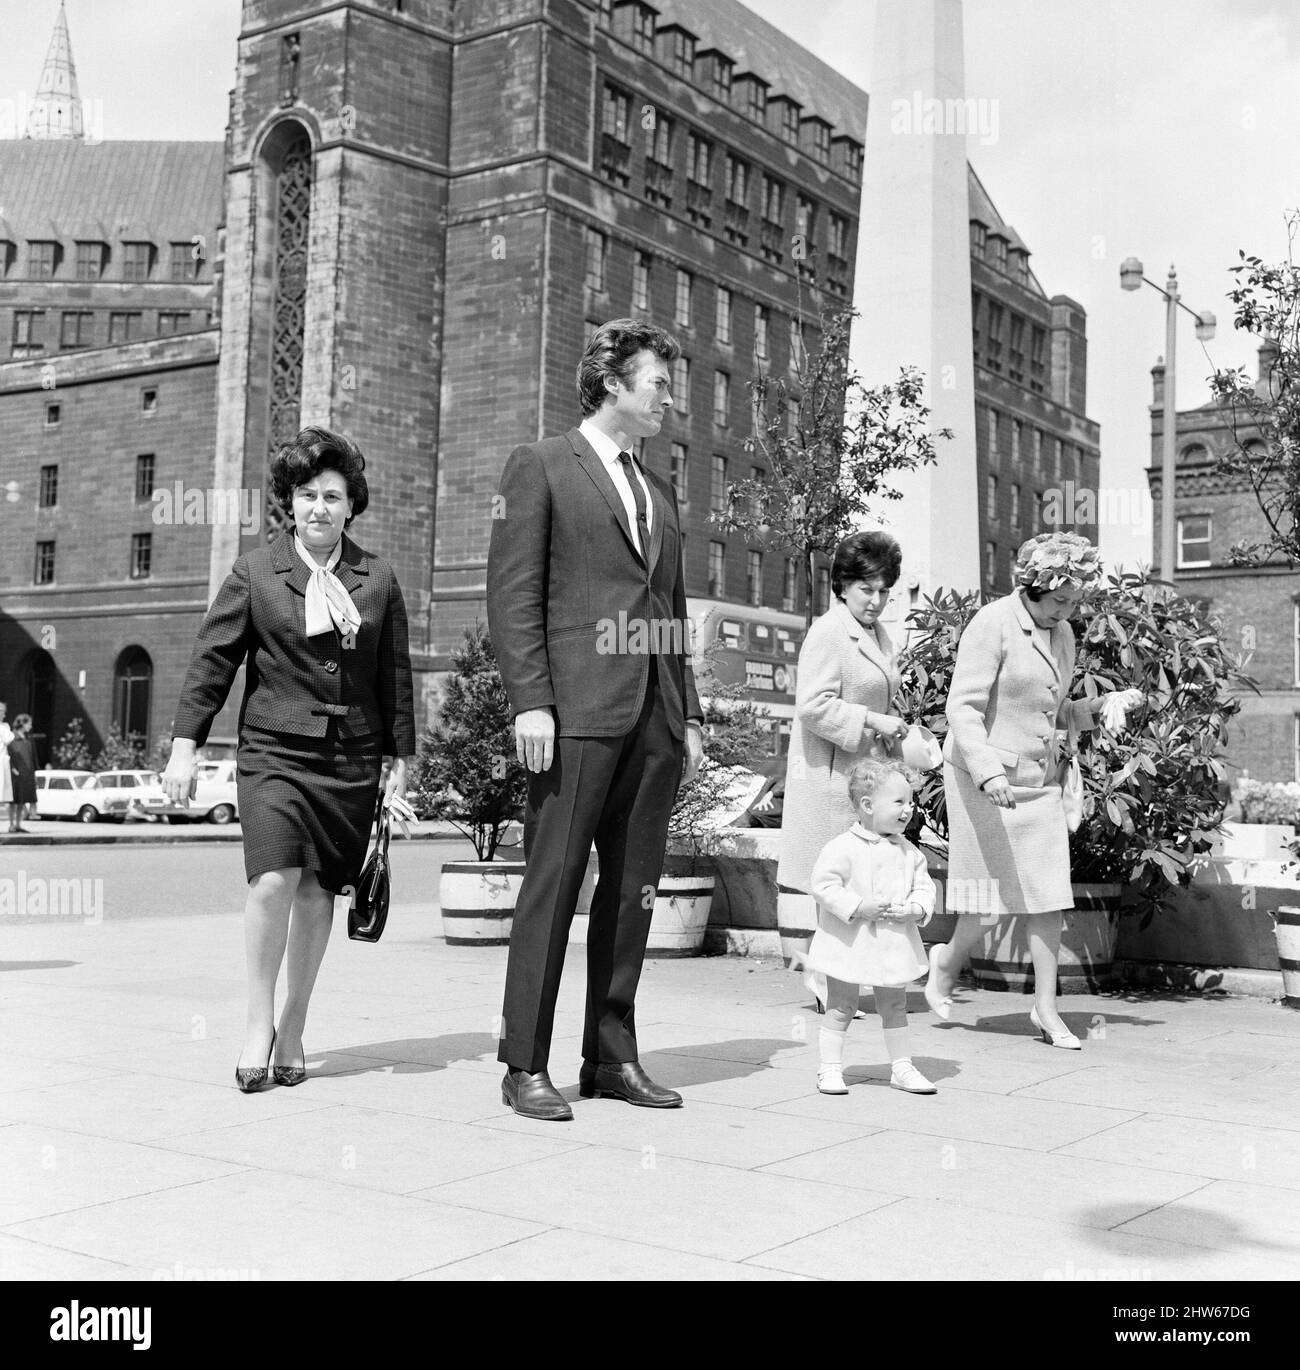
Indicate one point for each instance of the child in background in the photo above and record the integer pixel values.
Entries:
(872, 890)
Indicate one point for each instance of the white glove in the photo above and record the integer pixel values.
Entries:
(399, 809)
(1116, 706)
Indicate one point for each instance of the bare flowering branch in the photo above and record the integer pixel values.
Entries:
(829, 444)
(1264, 414)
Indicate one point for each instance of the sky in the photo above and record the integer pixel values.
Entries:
(1161, 129)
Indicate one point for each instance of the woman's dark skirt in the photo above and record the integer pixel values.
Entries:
(307, 801)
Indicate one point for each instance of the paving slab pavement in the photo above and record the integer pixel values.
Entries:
(1167, 1149)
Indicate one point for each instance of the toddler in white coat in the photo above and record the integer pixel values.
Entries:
(872, 891)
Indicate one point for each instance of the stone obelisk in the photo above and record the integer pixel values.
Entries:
(912, 282)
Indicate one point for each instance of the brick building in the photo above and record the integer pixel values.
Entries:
(426, 207)
(1260, 607)
(1037, 452)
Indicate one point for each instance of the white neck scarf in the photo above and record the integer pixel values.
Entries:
(327, 601)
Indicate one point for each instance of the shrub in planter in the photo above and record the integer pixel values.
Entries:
(1153, 793)
(466, 772)
(735, 739)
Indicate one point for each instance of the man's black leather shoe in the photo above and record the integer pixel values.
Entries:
(625, 1080)
(534, 1096)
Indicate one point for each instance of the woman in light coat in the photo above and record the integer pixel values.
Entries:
(1008, 840)
(847, 680)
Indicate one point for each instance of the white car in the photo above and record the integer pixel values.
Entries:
(216, 796)
(58, 792)
(122, 794)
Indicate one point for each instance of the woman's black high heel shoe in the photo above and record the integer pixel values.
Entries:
(290, 1075)
(251, 1078)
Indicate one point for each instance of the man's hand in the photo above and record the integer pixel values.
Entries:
(694, 752)
(535, 739)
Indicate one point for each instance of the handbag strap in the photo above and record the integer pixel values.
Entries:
(383, 825)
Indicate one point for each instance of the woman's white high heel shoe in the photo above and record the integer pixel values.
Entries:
(940, 1005)
(1067, 1040)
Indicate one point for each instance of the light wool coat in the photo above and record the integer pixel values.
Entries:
(845, 670)
(857, 865)
(1008, 697)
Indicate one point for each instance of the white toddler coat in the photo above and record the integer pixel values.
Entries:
(857, 864)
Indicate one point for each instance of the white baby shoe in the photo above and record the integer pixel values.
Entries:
(904, 1075)
(830, 1080)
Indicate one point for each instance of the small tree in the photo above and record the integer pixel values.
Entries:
(829, 444)
(120, 753)
(1153, 793)
(72, 753)
(735, 735)
(1265, 416)
(466, 767)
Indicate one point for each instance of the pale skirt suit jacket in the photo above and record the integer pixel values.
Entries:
(1008, 697)
(845, 670)
(857, 865)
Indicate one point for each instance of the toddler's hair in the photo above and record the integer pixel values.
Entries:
(868, 775)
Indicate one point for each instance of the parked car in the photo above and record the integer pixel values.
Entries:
(122, 794)
(58, 792)
(216, 797)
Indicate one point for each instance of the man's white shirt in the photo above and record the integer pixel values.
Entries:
(608, 451)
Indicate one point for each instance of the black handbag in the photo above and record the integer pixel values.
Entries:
(369, 910)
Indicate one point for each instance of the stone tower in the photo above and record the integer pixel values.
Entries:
(335, 218)
(913, 279)
(56, 111)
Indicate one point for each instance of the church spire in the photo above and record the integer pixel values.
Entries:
(56, 110)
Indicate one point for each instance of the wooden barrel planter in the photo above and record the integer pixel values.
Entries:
(1288, 954)
(1087, 958)
(681, 914)
(477, 900)
(796, 921)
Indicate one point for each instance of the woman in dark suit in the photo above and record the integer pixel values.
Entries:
(22, 766)
(327, 694)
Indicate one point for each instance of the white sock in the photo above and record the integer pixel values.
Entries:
(831, 1045)
(898, 1044)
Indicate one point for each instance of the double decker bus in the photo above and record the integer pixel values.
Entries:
(756, 648)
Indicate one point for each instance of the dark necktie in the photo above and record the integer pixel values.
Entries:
(638, 494)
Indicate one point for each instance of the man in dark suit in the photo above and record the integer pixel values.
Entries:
(587, 610)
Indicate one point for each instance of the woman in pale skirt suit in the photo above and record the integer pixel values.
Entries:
(1008, 841)
(843, 701)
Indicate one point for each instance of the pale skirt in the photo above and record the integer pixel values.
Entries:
(1005, 862)
(879, 952)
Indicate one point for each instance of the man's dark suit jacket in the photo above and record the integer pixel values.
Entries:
(562, 567)
(295, 684)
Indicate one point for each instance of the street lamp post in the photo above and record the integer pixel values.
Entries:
(1131, 278)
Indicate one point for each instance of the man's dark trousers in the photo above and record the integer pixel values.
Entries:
(617, 792)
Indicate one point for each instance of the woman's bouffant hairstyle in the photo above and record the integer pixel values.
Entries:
(315, 450)
(610, 351)
(864, 556)
(868, 775)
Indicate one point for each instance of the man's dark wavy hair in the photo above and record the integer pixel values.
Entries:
(610, 351)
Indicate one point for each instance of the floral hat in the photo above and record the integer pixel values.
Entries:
(1051, 560)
